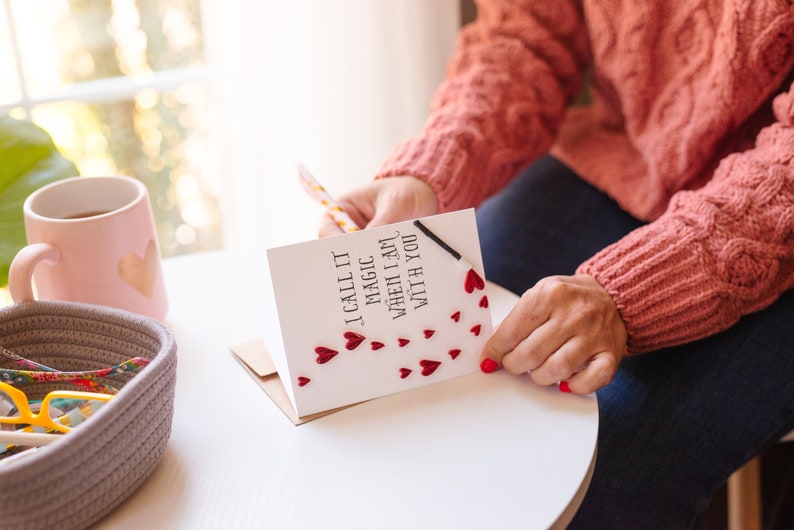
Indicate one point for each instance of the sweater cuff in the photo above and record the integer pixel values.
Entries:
(439, 161)
(662, 286)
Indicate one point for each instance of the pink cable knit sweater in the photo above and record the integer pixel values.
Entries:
(691, 127)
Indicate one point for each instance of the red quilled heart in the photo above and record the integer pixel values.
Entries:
(324, 354)
(353, 340)
(454, 353)
(402, 342)
(303, 381)
(484, 301)
(429, 333)
(428, 367)
(455, 316)
(476, 329)
(376, 345)
(405, 372)
(473, 281)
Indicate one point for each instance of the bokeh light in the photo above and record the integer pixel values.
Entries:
(158, 135)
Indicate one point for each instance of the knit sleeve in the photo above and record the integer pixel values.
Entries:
(717, 253)
(514, 71)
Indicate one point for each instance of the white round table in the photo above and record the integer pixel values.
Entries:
(479, 451)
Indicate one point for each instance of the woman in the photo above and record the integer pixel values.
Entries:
(650, 231)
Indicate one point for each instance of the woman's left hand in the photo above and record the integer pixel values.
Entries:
(566, 329)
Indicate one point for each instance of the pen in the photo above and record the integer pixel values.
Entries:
(28, 439)
(473, 280)
(22, 454)
(318, 192)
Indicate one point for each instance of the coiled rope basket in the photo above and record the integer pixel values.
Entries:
(75, 481)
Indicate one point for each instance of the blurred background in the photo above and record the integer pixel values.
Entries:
(212, 103)
(122, 87)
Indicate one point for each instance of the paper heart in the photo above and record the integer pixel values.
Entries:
(140, 274)
(428, 367)
(484, 301)
(405, 372)
(303, 381)
(402, 342)
(476, 329)
(353, 340)
(377, 345)
(324, 354)
(429, 333)
(454, 353)
(455, 316)
(473, 281)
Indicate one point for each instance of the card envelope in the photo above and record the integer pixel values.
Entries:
(254, 357)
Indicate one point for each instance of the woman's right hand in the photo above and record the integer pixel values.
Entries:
(384, 201)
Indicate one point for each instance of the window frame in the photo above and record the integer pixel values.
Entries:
(94, 91)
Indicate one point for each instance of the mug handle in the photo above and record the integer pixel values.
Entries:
(20, 274)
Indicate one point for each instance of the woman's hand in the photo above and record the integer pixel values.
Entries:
(565, 328)
(384, 201)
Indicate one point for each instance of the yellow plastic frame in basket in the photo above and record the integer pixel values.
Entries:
(42, 419)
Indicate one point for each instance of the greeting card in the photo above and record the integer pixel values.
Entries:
(378, 311)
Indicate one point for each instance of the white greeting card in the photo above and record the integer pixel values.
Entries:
(378, 311)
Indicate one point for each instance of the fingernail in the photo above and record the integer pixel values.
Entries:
(564, 386)
(488, 365)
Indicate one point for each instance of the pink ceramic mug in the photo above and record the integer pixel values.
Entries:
(91, 239)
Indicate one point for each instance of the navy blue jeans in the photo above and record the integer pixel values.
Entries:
(675, 423)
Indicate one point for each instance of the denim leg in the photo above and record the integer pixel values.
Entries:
(673, 423)
(546, 222)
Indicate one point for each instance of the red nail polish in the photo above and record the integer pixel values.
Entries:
(564, 386)
(488, 365)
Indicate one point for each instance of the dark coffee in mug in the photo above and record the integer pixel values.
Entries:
(87, 214)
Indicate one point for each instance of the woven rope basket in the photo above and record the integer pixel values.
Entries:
(75, 481)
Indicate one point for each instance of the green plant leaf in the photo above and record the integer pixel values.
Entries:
(28, 161)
